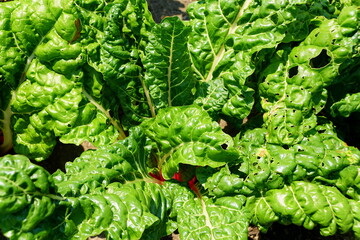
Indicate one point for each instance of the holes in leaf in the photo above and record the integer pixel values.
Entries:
(293, 71)
(61, 154)
(321, 60)
(224, 146)
(285, 146)
(321, 131)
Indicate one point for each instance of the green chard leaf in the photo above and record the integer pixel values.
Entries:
(220, 183)
(346, 106)
(305, 204)
(56, 93)
(118, 57)
(225, 37)
(27, 199)
(187, 135)
(133, 211)
(294, 90)
(101, 192)
(123, 161)
(321, 157)
(201, 218)
(169, 77)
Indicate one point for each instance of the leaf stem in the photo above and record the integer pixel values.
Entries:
(148, 98)
(207, 217)
(121, 131)
(170, 66)
(221, 52)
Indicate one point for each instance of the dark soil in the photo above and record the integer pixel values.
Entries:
(164, 8)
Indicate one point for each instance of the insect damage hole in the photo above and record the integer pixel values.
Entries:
(224, 146)
(321, 60)
(293, 71)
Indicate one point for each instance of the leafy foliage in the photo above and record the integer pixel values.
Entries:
(280, 74)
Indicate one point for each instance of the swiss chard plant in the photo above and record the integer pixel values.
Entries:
(208, 126)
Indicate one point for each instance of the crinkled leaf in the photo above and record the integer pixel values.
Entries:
(220, 183)
(290, 95)
(123, 161)
(212, 96)
(23, 27)
(347, 181)
(19, 177)
(346, 106)
(26, 198)
(56, 92)
(355, 208)
(116, 197)
(187, 135)
(201, 218)
(169, 77)
(307, 205)
(126, 31)
(226, 34)
(321, 156)
(133, 211)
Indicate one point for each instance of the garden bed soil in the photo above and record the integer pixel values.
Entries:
(164, 8)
